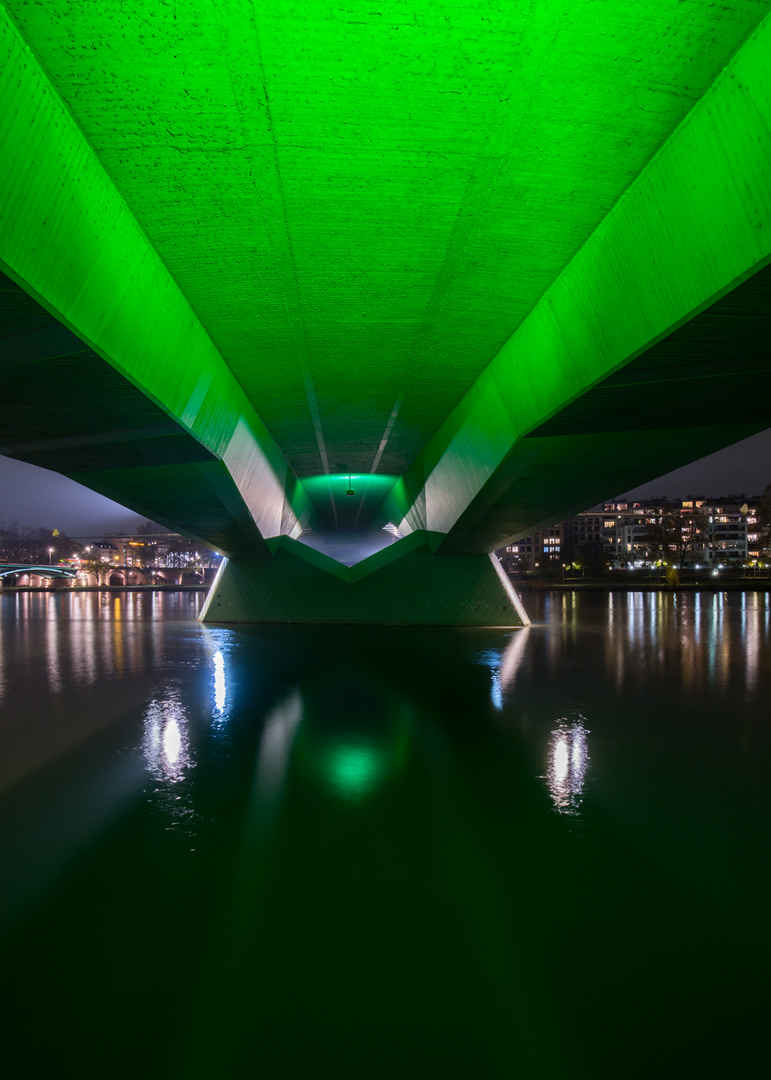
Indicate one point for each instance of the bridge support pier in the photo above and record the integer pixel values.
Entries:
(404, 584)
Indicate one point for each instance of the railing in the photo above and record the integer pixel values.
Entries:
(7, 569)
(106, 576)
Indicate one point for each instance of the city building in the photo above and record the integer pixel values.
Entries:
(694, 532)
(540, 551)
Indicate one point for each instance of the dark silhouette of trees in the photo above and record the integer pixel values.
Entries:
(763, 516)
(30, 544)
(672, 533)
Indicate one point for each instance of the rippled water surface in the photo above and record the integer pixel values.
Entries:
(311, 852)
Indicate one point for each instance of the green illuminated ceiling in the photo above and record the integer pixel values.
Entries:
(362, 206)
(376, 217)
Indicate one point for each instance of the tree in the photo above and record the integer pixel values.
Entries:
(150, 528)
(672, 533)
(99, 568)
(764, 521)
(29, 544)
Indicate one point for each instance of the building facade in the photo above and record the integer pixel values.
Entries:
(694, 533)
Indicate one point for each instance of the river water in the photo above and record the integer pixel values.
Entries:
(311, 852)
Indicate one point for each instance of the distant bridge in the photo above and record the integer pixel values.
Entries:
(40, 571)
(111, 576)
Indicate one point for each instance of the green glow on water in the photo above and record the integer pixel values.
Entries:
(354, 769)
(368, 870)
(369, 746)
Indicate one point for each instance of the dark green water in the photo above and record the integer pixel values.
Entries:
(311, 852)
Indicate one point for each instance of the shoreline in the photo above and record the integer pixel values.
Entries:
(103, 588)
(743, 585)
(540, 585)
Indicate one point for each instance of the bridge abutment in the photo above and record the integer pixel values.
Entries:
(404, 584)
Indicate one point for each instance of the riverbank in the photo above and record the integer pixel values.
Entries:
(712, 585)
(59, 588)
(531, 585)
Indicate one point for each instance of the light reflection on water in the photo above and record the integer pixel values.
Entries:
(219, 643)
(716, 639)
(353, 768)
(169, 761)
(354, 753)
(220, 690)
(166, 742)
(382, 827)
(505, 665)
(278, 735)
(567, 762)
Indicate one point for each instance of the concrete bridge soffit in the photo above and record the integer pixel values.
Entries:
(692, 227)
(71, 242)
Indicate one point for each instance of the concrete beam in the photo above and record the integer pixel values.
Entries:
(404, 584)
(68, 410)
(70, 241)
(694, 225)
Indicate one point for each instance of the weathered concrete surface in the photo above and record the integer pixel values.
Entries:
(403, 584)
(359, 206)
(68, 410)
(71, 242)
(694, 225)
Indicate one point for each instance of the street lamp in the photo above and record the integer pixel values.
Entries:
(50, 555)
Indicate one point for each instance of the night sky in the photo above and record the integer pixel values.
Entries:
(32, 496)
(744, 467)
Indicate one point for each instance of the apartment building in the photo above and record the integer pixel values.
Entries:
(687, 532)
(539, 551)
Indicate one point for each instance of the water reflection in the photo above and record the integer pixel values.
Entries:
(371, 838)
(752, 639)
(504, 666)
(278, 735)
(355, 735)
(220, 692)
(353, 768)
(166, 741)
(695, 640)
(219, 643)
(568, 759)
(53, 650)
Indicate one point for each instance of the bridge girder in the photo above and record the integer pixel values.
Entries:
(71, 242)
(695, 225)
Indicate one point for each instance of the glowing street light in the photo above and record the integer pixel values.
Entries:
(50, 555)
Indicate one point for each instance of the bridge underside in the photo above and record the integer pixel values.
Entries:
(236, 320)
